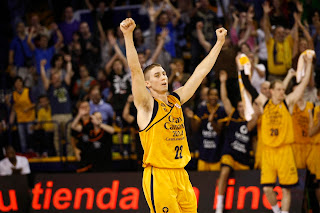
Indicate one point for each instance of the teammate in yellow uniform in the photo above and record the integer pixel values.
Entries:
(302, 141)
(313, 158)
(166, 184)
(277, 137)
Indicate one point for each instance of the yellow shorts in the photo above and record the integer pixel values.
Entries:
(301, 152)
(168, 190)
(235, 165)
(313, 161)
(207, 166)
(278, 162)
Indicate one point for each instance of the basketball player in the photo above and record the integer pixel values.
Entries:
(314, 132)
(208, 119)
(166, 184)
(237, 146)
(277, 137)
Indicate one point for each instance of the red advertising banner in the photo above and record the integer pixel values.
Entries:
(122, 192)
(14, 194)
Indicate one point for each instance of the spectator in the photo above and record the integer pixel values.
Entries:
(301, 43)
(20, 56)
(169, 22)
(44, 128)
(262, 47)
(279, 48)
(69, 25)
(38, 28)
(23, 109)
(56, 64)
(258, 72)
(13, 164)
(99, 139)
(90, 48)
(97, 104)
(210, 22)
(102, 13)
(44, 52)
(79, 140)
(82, 85)
(58, 93)
(243, 35)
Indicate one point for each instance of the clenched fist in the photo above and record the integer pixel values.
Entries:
(221, 34)
(127, 26)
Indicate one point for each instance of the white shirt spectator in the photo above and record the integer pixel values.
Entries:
(256, 79)
(6, 166)
(263, 52)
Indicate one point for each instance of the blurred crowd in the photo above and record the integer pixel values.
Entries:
(67, 86)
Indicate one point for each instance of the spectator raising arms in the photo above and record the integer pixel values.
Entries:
(58, 93)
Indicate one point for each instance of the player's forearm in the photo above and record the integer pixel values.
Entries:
(132, 55)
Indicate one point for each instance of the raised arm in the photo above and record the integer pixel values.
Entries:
(223, 76)
(103, 126)
(266, 21)
(29, 40)
(176, 12)
(142, 98)
(291, 73)
(59, 42)
(75, 125)
(101, 32)
(186, 92)
(202, 40)
(294, 96)
(69, 73)
(157, 51)
(113, 42)
(45, 80)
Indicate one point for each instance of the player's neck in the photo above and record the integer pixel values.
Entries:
(276, 101)
(162, 97)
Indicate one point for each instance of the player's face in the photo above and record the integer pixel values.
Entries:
(158, 80)
(278, 92)
(213, 97)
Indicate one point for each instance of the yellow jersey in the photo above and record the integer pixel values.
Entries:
(44, 115)
(276, 124)
(300, 121)
(316, 137)
(164, 140)
(279, 55)
(21, 102)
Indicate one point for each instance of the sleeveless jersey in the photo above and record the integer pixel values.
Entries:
(276, 124)
(300, 121)
(164, 140)
(22, 101)
(210, 143)
(316, 137)
(237, 139)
